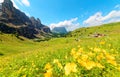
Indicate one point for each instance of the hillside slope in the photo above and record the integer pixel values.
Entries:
(104, 30)
(63, 57)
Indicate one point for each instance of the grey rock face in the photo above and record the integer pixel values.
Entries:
(59, 30)
(0, 9)
(24, 26)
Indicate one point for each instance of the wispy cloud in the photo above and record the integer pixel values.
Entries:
(68, 24)
(21, 2)
(117, 6)
(26, 2)
(98, 18)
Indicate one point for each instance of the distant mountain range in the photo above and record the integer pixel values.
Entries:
(60, 30)
(13, 20)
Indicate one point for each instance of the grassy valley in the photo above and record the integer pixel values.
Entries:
(79, 54)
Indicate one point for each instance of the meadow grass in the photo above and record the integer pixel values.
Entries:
(63, 57)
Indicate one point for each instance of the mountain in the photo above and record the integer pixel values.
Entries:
(13, 20)
(59, 30)
(0, 9)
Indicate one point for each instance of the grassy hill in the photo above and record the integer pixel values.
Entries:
(111, 29)
(88, 56)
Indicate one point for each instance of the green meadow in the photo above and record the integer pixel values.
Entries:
(79, 54)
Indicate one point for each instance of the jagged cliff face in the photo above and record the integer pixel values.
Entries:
(0, 9)
(22, 24)
(59, 30)
(13, 15)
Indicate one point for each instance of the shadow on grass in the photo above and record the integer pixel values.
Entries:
(1, 54)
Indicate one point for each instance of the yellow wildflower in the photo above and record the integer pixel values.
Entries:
(33, 65)
(90, 54)
(55, 61)
(112, 49)
(60, 66)
(24, 76)
(109, 57)
(104, 51)
(87, 64)
(80, 50)
(21, 68)
(24, 69)
(0, 69)
(102, 42)
(37, 69)
(66, 57)
(82, 63)
(75, 56)
(118, 68)
(99, 65)
(58, 63)
(97, 49)
(91, 48)
(90, 65)
(70, 67)
(113, 62)
(109, 45)
(100, 56)
(48, 66)
(84, 57)
(73, 51)
(48, 73)
(78, 46)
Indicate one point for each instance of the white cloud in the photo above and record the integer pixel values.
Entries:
(21, 2)
(98, 18)
(1, 1)
(68, 24)
(117, 6)
(26, 2)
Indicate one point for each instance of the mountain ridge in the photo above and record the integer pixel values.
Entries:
(61, 30)
(21, 24)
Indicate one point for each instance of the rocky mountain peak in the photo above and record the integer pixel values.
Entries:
(20, 22)
(12, 15)
(8, 1)
(59, 30)
(8, 4)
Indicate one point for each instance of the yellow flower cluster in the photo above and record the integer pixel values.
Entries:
(69, 68)
(97, 57)
(110, 59)
(84, 58)
(48, 69)
(103, 54)
(56, 61)
(75, 53)
(85, 62)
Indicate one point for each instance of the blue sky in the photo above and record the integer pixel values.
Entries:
(71, 14)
